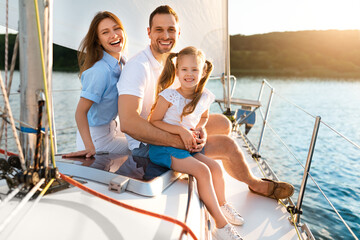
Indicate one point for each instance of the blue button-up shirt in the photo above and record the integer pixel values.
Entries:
(99, 85)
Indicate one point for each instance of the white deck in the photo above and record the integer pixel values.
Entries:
(265, 218)
(75, 214)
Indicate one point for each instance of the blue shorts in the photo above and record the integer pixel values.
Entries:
(161, 155)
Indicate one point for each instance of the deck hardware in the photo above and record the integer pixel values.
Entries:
(118, 184)
(256, 155)
(293, 209)
(307, 168)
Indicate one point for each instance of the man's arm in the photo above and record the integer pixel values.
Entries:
(134, 125)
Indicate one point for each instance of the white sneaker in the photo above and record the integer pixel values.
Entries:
(226, 233)
(232, 215)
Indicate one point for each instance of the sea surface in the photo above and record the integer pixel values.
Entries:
(336, 162)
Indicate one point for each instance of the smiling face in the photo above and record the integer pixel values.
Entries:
(163, 34)
(189, 71)
(111, 37)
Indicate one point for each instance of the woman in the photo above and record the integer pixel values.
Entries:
(100, 60)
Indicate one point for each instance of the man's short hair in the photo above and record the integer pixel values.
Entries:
(164, 9)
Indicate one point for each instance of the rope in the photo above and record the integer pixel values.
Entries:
(11, 195)
(6, 100)
(138, 210)
(21, 204)
(2, 151)
(12, 68)
(6, 66)
(45, 84)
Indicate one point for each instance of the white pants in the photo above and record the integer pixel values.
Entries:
(107, 138)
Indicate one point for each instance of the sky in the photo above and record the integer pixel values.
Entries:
(249, 17)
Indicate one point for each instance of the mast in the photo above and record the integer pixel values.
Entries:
(31, 77)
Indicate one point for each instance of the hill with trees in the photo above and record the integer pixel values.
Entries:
(64, 59)
(331, 53)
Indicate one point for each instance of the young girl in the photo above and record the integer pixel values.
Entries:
(180, 111)
(100, 60)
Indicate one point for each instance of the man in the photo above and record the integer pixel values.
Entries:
(137, 87)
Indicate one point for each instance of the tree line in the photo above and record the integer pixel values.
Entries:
(331, 53)
(64, 59)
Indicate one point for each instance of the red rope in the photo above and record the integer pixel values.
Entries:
(8, 153)
(139, 210)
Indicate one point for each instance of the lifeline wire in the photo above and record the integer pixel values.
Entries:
(314, 181)
(257, 161)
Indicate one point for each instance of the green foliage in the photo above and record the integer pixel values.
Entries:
(64, 59)
(329, 53)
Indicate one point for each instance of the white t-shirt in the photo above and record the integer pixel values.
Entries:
(139, 78)
(173, 114)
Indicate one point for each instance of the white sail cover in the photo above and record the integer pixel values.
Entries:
(202, 23)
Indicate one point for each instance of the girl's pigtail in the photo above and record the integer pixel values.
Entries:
(166, 78)
(190, 107)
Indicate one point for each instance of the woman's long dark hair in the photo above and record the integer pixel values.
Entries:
(90, 51)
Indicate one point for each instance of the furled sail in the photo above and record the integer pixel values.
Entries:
(202, 23)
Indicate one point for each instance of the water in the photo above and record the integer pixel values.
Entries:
(335, 163)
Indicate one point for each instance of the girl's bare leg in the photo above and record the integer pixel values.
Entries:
(217, 176)
(207, 194)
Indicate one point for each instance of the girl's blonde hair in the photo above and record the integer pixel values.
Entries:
(90, 50)
(167, 77)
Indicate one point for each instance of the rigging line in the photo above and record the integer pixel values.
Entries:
(66, 90)
(11, 195)
(6, 66)
(8, 153)
(292, 103)
(343, 221)
(12, 68)
(340, 134)
(129, 207)
(337, 213)
(45, 84)
(21, 122)
(7, 105)
(11, 93)
(21, 204)
(7, 121)
(285, 145)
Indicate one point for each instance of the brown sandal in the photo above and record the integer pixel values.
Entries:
(280, 190)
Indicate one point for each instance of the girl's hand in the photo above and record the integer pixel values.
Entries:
(201, 137)
(188, 138)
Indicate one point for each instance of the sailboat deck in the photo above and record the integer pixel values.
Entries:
(73, 212)
(265, 218)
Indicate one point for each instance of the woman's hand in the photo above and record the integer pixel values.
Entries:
(88, 153)
(188, 138)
